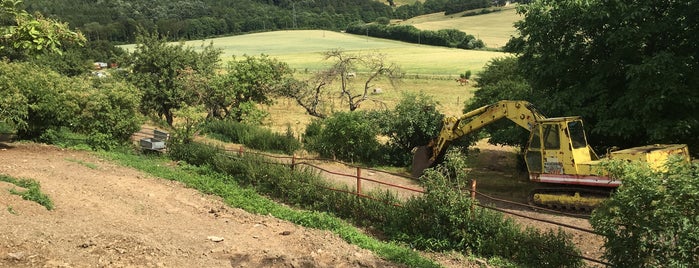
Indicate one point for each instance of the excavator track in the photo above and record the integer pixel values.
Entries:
(568, 199)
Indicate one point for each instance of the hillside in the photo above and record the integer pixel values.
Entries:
(110, 216)
(302, 50)
(494, 28)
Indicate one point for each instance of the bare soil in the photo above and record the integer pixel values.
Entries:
(110, 216)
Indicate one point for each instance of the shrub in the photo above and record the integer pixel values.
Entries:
(442, 219)
(651, 221)
(255, 137)
(414, 122)
(383, 20)
(194, 153)
(37, 101)
(349, 136)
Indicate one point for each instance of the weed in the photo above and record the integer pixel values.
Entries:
(89, 165)
(11, 210)
(252, 136)
(32, 192)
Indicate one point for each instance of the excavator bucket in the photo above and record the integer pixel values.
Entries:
(421, 160)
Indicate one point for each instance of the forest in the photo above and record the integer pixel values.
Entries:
(119, 20)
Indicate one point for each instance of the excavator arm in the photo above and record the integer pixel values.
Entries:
(521, 113)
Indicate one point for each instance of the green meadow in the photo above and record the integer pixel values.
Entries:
(302, 50)
(495, 29)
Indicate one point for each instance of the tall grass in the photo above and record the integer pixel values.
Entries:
(255, 137)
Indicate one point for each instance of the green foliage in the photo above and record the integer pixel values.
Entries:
(191, 120)
(32, 192)
(44, 105)
(246, 82)
(651, 221)
(501, 79)
(349, 136)
(408, 33)
(193, 153)
(118, 20)
(383, 20)
(443, 219)
(23, 35)
(158, 69)
(481, 12)
(253, 136)
(413, 122)
(418, 8)
(466, 74)
(629, 68)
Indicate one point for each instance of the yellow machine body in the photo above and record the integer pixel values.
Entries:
(557, 152)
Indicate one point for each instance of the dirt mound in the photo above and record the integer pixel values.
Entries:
(110, 216)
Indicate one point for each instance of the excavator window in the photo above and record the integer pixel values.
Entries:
(535, 142)
(577, 134)
(551, 137)
(533, 157)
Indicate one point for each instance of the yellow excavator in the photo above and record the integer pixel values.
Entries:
(557, 154)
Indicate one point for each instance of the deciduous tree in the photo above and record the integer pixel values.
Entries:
(25, 35)
(156, 67)
(629, 68)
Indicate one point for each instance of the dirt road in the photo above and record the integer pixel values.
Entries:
(110, 216)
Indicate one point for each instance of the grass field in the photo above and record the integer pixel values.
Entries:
(494, 28)
(302, 50)
(428, 69)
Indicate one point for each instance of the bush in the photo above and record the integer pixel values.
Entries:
(651, 221)
(414, 122)
(348, 136)
(442, 219)
(383, 20)
(255, 137)
(194, 153)
(36, 101)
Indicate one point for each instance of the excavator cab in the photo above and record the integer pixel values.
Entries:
(556, 145)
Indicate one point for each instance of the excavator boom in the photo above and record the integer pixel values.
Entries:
(521, 113)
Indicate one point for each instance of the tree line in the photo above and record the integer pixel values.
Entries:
(119, 20)
(408, 33)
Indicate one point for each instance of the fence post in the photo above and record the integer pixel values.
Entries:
(293, 161)
(359, 181)
(473, 197)
(240, 151)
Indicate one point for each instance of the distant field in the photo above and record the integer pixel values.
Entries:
(302, 51)
(494, 28)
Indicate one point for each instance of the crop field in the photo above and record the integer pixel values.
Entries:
(494, 28)
(303, 49)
